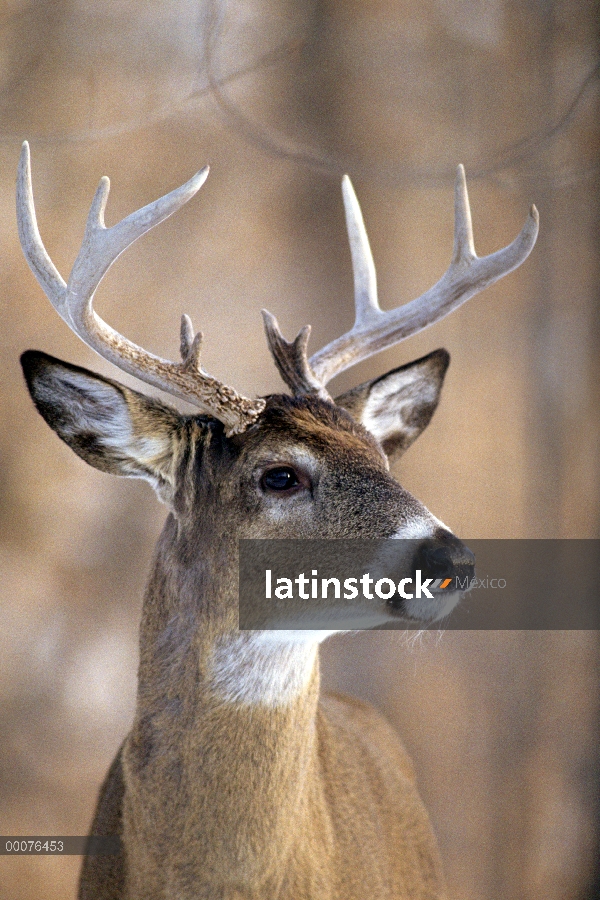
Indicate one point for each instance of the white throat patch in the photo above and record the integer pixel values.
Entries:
(268, 668)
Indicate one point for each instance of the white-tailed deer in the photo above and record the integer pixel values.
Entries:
(237, 778)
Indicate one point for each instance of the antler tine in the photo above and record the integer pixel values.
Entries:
(374, 329)
(363, 266)
(73, 300)
(291, 358)
(464, 243)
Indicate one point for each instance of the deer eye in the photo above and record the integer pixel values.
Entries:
(283, 478)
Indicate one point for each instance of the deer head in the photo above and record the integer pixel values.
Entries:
(299, 466)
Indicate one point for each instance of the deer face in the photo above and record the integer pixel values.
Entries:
(306, 469)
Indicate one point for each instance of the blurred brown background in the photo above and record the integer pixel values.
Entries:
(281, 98)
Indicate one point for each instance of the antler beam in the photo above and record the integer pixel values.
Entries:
(375, 329)
(73, 300)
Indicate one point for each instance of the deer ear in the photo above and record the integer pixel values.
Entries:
(398, 406)
(109, 426)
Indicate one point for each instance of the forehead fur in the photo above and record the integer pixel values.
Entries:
(310, 420)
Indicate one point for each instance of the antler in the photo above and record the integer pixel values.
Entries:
(73, 300)
(374, 329)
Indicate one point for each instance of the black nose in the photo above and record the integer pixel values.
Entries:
(444, 556)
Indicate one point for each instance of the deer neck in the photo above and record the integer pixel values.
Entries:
(223, 748)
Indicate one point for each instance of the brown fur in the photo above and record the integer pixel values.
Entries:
(223, 798)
